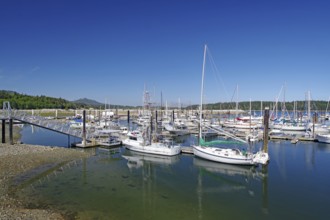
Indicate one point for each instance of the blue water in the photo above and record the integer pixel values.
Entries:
(120, 184)
(40, 136)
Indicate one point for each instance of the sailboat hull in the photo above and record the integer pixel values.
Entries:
(154, 148)
(229, 156)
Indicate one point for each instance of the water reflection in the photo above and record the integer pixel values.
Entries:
(136, 160)
(323, 147)
(226, 169)
(230, 179)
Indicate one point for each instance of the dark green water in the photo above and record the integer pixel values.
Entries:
(119, 184)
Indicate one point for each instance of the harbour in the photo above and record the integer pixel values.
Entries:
(117, 183)
(164, 110)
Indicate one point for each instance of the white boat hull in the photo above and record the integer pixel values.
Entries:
(240, 125)
(110, 144)
(154, 148)
(179, 132)
(229, 156)
(323, 138)
(174, 131)
(293, 128)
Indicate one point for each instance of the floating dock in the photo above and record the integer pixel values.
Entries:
(187, 150)
(291, 138)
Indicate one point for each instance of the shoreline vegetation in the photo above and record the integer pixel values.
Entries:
(19, 160)
(25, 102)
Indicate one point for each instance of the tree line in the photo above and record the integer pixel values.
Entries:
(22, 101)
(320, 106)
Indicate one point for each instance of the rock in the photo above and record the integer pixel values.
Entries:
(18, 159)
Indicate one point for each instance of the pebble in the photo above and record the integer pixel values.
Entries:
(18, 159)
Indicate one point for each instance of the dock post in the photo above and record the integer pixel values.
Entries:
(151, 130)
(11, 140)
(128, 119)
(3, 131)
(84, 128)
(266, 126)
(156, 116)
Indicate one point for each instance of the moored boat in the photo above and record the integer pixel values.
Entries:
(323, 138)
(224, 155)
(142, 142)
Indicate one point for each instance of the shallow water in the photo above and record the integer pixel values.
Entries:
(120, 184)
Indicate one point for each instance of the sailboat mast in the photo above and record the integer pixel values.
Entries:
(250, 115)
(309, 105)
(202, 90)
(326, 110)
(236, 102)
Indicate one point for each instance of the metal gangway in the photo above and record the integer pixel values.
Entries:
(54, 125)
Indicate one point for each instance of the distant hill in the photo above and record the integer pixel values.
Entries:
(89, 102)
(96, 104)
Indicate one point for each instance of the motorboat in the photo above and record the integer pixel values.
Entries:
(144, 143)
(177, 129)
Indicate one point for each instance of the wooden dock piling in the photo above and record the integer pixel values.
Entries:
(11, 139)
(266, 126)
(128, 119)
(3, 131)
(84, 128)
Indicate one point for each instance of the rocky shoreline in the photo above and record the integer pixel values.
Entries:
(19, 159)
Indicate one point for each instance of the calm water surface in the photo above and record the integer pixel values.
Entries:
(120, 184)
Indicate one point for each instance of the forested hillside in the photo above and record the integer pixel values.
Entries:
(256, 105)
(21, 101)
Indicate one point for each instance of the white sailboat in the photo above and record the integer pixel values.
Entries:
(224, 155)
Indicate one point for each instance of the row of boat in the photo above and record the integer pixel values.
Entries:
(148, 142)
(144, 142)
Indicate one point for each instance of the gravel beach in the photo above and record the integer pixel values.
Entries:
(18, 159)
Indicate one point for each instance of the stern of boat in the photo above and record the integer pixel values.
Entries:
(261, 158)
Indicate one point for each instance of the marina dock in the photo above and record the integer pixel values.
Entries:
(187, 150)
(290, 138)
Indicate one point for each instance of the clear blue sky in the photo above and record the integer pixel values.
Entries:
(111, 49)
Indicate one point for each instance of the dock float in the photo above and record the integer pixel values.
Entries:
(87, 145)
(293, 139)
(187, 150)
